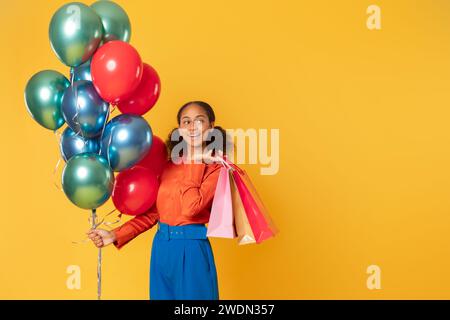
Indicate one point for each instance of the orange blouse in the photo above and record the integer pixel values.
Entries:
(184, 197)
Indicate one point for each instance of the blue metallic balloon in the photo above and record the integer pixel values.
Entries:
(83, 109)
(82, 72)
(72, 144)
(126, 140)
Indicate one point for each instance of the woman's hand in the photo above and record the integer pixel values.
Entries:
(101, 238)
(207, 157)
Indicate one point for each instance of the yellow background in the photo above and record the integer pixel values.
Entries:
(364, 146)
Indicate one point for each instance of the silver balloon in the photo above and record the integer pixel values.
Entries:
(72, 144)
(126, 140)
(84, 110)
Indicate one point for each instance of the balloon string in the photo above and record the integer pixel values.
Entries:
(107, 147)
(55, 169)
(94, 224)
(77, 107)
(99, 258)
(110, 140)
(72, 75)
(109, 224)
(54, 175)
(106, 223)
(104, 124)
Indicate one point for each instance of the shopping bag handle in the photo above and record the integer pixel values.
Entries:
(224, 163)
(230, 165)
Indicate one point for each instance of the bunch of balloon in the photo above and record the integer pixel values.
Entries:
(105, 72)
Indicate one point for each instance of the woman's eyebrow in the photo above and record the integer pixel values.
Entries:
(198, 116)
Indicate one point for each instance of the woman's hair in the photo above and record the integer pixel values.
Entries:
(174, 138)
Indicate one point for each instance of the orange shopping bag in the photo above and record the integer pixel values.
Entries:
(243, 228)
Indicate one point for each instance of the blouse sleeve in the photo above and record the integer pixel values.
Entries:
(198, 187)
(134, 227)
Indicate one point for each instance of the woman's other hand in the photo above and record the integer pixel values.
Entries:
(206, 157)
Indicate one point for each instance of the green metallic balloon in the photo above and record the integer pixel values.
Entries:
(43, 98)
(75, 33)
(87, 180)
(116, 24)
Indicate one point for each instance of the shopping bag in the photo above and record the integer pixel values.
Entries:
(259, 202)
(262, 225)
(242, 226)
(221, 224)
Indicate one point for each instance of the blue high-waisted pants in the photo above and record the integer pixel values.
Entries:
(182, 264)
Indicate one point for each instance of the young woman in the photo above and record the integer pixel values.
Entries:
(182, 262)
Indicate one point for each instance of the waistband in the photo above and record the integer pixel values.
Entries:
(188, 231)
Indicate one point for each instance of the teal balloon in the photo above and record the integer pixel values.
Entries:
(87, 180)
(75, 33)
(43, 98)
(116, 24)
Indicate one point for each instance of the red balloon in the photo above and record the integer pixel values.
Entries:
(145, 96)
(135, 190)
(156, 157)
(116, 70)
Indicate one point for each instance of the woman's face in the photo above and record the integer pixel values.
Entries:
(194, 124)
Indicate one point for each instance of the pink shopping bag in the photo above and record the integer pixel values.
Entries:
(262, 225)
(221, 223)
